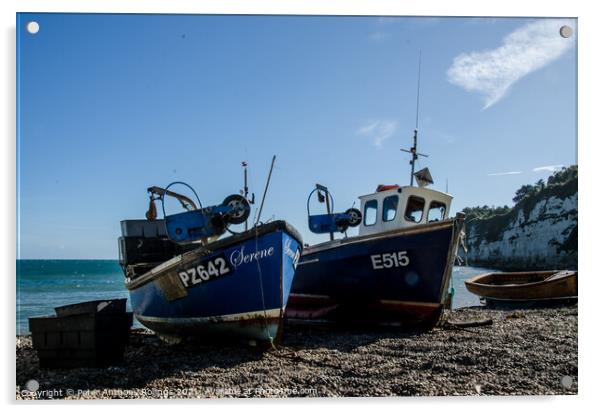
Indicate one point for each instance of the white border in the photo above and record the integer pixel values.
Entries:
(589, 207)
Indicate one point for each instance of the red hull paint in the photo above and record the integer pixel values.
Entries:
(312, 307)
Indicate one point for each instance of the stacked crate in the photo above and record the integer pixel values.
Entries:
(89, 334)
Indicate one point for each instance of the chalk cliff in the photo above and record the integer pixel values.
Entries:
(540, 232)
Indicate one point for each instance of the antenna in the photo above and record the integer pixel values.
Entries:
(413, 149)
(418, 89)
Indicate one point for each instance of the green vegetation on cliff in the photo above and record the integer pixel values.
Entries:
(488, 223)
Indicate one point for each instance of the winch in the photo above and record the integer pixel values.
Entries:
(331, 222)
(198, 223)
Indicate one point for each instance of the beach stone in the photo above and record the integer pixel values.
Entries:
(533, 353)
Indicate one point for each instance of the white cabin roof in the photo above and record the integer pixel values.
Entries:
(410, 189)
(400, 207)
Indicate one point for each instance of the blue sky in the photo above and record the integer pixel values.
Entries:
(111, 104)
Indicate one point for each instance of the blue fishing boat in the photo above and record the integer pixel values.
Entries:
(397, 270)
(185, 282)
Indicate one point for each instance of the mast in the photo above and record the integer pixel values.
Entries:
(245, 191)
(265, 191)
(414, 149)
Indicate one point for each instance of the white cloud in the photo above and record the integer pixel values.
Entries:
(547, 168)
(505, 173)
(378, 130)
(528, 48)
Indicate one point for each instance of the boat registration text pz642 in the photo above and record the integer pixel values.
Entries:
(205, 271)
(390, 260)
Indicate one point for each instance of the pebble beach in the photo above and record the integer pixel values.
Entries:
(522, 352)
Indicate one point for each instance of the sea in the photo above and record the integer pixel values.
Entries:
(45, 284)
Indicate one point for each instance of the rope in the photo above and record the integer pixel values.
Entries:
(265, 314)
(464, 247)
(452, 290)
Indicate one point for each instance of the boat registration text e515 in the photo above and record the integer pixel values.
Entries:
(390, 260)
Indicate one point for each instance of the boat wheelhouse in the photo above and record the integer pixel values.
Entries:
(393, 207)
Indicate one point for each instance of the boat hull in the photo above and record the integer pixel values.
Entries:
(399, 276)
(238, 288)
(524, 286)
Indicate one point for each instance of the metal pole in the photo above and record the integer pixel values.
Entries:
(265, 191)
(414, 157)
(328, 211)
(245, 190)
(418, 89)
(414, 149)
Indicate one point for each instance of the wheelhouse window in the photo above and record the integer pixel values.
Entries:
(436, 211)
(370, 212)
(414, 209)
(390, 208)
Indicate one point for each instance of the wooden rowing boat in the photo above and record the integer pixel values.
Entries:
(524, 286)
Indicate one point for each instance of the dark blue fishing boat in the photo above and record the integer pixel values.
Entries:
(183, 282)
(397, 270)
